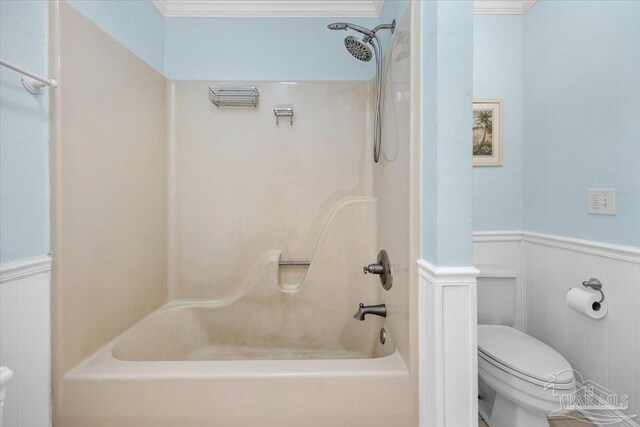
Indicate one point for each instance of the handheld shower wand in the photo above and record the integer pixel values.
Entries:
(360, 50)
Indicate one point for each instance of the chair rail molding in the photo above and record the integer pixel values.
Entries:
(607, 250)
(498, 236)
(448, 366)
(23, 268)
(447, 276)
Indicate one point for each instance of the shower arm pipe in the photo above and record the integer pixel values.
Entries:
(391, 26)
(30, 85)
(373, 32)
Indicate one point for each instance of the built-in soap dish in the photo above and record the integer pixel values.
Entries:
(291, 275)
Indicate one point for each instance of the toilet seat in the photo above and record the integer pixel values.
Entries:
(523, 356)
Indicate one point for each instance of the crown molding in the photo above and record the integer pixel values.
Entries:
(501, 7)
(311, 8)
(268, 8)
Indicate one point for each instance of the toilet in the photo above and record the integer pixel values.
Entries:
(520, 379)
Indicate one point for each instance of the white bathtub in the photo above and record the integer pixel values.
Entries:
(194, 365)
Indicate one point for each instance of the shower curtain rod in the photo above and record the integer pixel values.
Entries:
(31, 81)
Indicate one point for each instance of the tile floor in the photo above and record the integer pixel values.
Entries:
(568, 420)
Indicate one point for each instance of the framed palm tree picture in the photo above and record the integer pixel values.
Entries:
(487, 132)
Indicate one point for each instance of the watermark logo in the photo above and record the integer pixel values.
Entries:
(599, 404)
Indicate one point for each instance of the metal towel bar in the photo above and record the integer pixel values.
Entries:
(32, 82)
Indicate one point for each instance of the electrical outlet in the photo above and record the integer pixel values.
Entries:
(602, 202)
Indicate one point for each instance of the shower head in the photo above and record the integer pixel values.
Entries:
(361, 49)
(367, 32)
(345, 25)
(337, 26)
(358, 48)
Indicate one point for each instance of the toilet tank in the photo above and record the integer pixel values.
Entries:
(496, 295)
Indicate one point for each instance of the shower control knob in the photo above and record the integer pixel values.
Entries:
(373, 269)
(382, 268)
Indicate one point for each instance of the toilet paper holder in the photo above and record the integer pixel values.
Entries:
(596, 285)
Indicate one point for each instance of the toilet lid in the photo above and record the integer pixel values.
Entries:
(509, 348)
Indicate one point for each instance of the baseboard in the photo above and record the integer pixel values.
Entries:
(608, 250)
(25, 267)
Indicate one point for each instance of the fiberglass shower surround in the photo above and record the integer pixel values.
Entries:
(360, 50)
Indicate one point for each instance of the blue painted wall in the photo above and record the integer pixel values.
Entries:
(582, 117)
(446, 198)
(261, 49)
(137, 24)
(236, 48)
(24, 134)
(268, 48)
(497, 73)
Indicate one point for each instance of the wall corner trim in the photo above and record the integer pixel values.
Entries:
(25, 267)
(447, 329)
(447, 276)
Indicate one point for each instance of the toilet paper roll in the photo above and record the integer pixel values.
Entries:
(586, 303)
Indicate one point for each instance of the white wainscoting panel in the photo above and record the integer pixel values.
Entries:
(505, 249)
(25, 343)
(448, 346)
(606, 351)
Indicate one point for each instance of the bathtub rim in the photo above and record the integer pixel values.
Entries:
(103, 364)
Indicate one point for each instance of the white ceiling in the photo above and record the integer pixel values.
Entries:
(309, 8)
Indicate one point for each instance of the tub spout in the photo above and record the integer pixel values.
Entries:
(363, 310)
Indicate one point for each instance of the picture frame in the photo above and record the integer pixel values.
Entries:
(487, 135)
